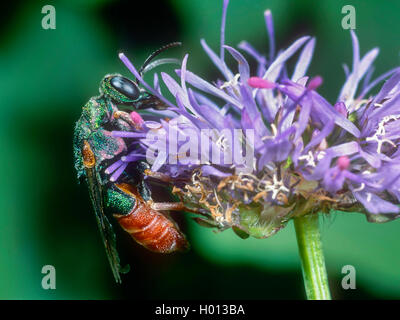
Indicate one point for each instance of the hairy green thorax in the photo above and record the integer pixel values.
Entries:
(95, 114)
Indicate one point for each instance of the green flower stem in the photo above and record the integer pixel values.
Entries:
(312, 257)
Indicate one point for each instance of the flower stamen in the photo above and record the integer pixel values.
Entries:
(231, 83)
(381, 131)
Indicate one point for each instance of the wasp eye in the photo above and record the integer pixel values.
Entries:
(126, 87)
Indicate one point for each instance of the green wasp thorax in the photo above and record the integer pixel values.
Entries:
(97, 115)
(97, 112)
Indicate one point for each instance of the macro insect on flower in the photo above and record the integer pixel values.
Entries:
(256, 148)
(309, 155)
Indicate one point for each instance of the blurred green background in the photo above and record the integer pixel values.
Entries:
(45, 216)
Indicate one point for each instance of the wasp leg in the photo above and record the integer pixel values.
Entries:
(125, 121)
(162, 206)
(161, 176)
(176, 206)
(124, 116)
(158, 175)
(166, 206)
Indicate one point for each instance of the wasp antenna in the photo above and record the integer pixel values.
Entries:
(159, 62)
(156, 53)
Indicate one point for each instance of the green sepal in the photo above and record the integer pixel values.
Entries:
(240, 232)
(261, 221)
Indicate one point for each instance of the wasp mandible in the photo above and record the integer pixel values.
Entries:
(130, 199)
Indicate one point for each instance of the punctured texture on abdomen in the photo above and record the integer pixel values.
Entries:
(153, 230)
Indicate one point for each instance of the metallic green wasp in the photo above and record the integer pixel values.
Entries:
(129, 199)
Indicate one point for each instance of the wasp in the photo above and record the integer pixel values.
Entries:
(129, 200)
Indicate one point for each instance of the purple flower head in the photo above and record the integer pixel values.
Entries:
(258, 147)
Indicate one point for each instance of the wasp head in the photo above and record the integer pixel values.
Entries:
(119, 89)
(124, 91)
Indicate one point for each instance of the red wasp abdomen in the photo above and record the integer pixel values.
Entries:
(150, 228)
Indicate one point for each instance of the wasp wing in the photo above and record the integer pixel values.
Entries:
(105, 227)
